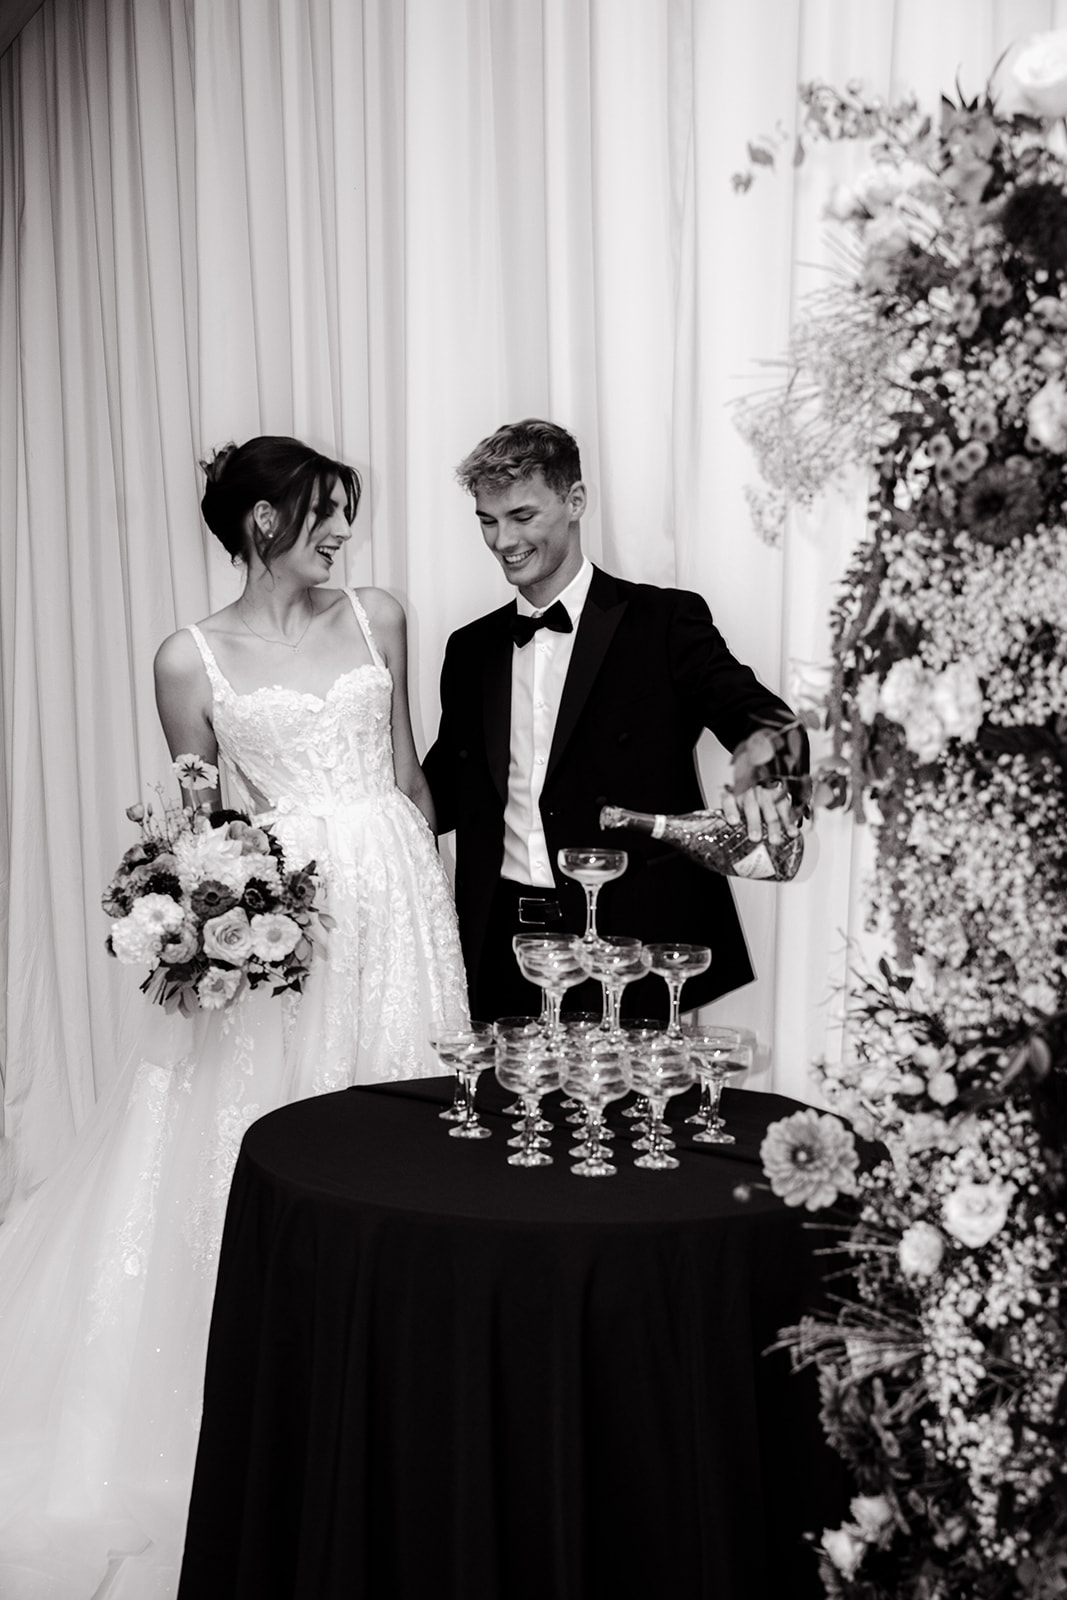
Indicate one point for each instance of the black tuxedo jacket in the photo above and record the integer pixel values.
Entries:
(649, 671)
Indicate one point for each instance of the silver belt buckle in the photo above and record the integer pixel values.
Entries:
(534, 913)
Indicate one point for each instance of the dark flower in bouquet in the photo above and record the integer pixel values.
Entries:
(208, 903)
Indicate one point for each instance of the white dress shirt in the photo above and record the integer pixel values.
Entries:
(538, 673)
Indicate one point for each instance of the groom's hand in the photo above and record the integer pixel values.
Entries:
(763, 803)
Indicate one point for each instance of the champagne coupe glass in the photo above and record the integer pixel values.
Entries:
(637, 1031)
(592, 867)
(663, 1068)
(457, 1111)
(738, 1060)
(522, 1028)
(549, 961)
(576, 1025)
(709, 1046)
(468, 1051)
(614, 961)
(529, 1068)
(519, 942)
(596, 1073)
(674, 963)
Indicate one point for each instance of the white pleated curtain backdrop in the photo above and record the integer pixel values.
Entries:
(387, 227)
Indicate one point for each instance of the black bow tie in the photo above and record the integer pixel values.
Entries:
(557, 617)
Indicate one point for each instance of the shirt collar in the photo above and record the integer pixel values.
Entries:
(573, 596)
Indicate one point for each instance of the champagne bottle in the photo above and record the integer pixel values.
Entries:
(719, 845)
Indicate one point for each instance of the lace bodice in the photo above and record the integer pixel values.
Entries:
(299, 752)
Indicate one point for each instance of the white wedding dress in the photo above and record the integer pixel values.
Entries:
(107, 1271)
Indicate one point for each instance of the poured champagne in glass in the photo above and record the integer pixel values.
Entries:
(592, 867)
(674, 963)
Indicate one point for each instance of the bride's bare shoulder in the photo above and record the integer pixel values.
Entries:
(382, 610)
(178, 657)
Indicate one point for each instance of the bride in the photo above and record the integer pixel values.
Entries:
(297, 693)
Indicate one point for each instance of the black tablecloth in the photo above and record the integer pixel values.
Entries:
(433, 1376)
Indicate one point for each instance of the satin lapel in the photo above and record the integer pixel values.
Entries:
(601, 615)
(495, 669)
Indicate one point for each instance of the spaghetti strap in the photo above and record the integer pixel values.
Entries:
(215, 675)
(364, 623)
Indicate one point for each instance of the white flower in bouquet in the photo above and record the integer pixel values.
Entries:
(809, 1159)
(903, 688)
(886, 245)
(218, 986)
(874, 1515)
(924, 732)
(975, 1212)
(274, 935)
(924, 1131)
(193, 772)
(211, 853)
(1036, 78)
(228, 937)
(137, 937)
(180, 946)
(884, 183)
(845, 1548)
(1041, 997)
(920, 1250)
(133, 941)
(942, 1088)
(1046, 416)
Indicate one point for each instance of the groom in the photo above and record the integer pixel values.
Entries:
(585, 691)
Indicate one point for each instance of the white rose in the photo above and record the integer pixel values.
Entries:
(903, 688)
(1039, 996)
(920, 1250)
(873, 1514)
(924, 732)
(844, 1548)
(1046, 416)
(1038, 74)
(974, 1212)
(228, 937)
(957, 699)
(942, 1088)
(211, 854)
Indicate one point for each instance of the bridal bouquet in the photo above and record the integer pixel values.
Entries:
(209, 904)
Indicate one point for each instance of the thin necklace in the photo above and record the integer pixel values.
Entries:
(284, 642)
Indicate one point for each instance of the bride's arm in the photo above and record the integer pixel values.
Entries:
(389, 626)
(183, 699)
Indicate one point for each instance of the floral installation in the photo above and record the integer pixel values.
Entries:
(937, 360)
(207, 902)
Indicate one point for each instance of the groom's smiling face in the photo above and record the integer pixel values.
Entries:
(535, 534)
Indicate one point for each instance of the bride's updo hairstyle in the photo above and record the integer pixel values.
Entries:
(289, 475)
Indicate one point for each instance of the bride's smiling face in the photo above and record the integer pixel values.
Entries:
(312, 554)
